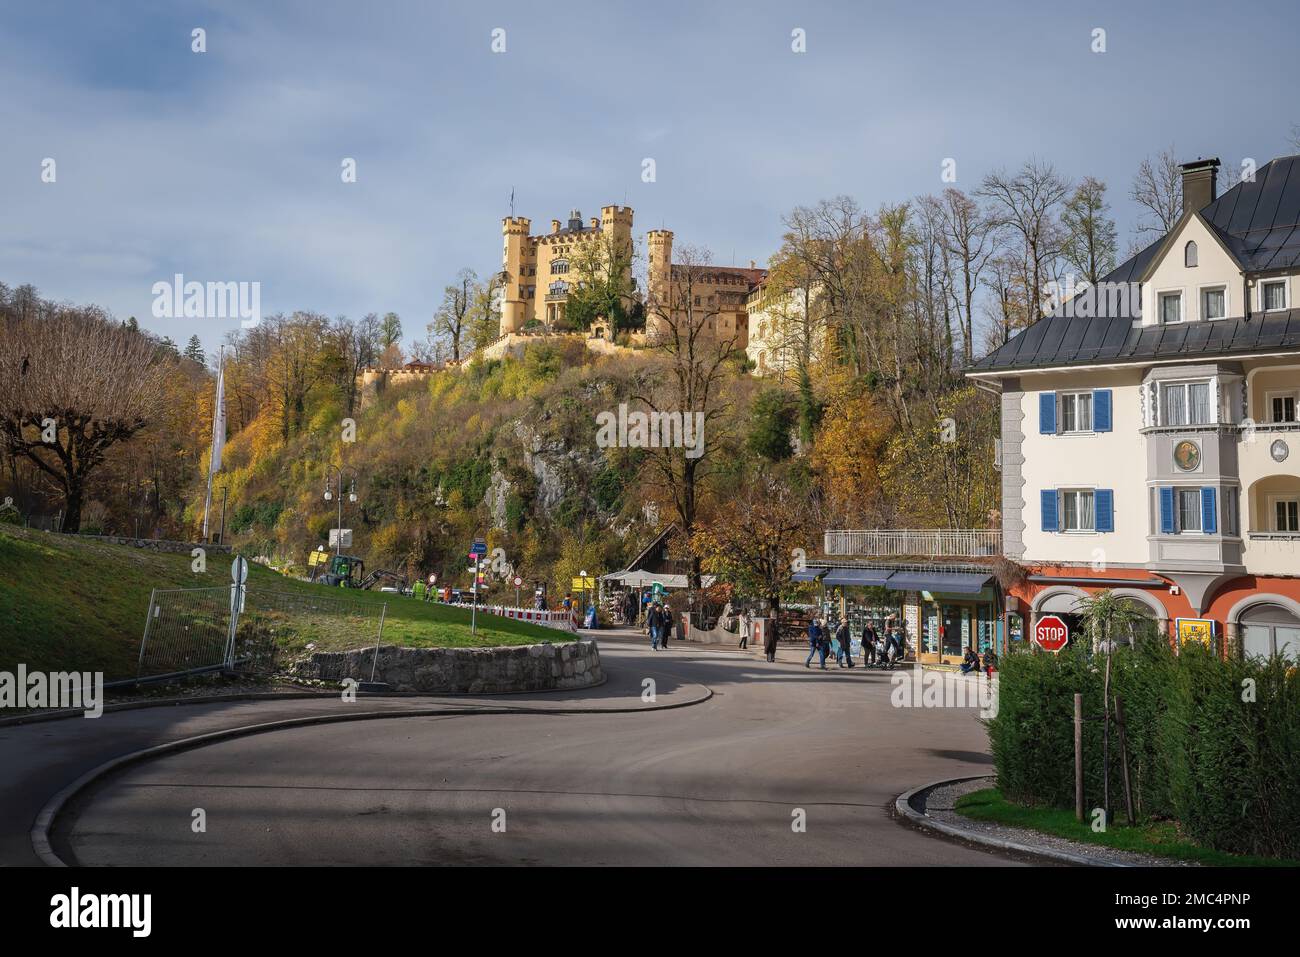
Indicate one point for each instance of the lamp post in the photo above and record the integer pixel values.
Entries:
(334, 476)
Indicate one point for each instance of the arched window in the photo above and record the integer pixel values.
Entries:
(559, 267)
(1189, 254)
(1269, 630)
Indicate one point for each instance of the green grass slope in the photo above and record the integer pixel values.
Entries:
(72, 603)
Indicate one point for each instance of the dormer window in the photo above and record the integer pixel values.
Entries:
(1171, 307)
(1272, 295)
(559, 267)
(1189, 254)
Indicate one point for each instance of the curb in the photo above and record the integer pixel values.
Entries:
(65, 713)
(44, 823)
(903, 808)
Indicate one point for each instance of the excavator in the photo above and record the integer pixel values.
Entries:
(348, 571)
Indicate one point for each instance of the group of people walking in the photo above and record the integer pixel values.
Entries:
(880, 648)
(659, 624)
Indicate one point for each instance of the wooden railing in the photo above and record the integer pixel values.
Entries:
(925, 542)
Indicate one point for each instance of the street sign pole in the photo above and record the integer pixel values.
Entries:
(473, 615)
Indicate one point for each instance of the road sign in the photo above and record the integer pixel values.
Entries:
(340, 538)
(239, 570)
(584, 584)
(1051, 633)
(518, 581)
(479, 548)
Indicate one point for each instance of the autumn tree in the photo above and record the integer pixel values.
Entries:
(72, 385)
(453, 315)
(1090, 243)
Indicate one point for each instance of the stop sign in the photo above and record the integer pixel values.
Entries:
(1051, 633)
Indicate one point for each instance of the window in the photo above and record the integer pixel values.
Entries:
(1230, 526)
(1189, 510)
(1189, 254)
(1281, 406)
(1214, 303)
(559, 266)
(1272, 295)
(1185, 403)
(1286, 515)
(1076, 411)
(1268, 630)
(1077, 511)
(1171, 307)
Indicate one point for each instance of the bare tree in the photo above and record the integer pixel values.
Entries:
(1158, 189)
(970, 239)
(682, 324)
(1027, 205)
(452, 316)
(73, 384)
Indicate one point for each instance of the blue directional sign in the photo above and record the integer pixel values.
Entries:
(478, 548)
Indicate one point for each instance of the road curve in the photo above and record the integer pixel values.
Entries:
(722, 782)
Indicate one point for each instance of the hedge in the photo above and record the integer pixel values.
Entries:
(1213, 744)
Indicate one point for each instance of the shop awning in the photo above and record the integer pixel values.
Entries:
(808, 574)
(857, 576)
(960, 583)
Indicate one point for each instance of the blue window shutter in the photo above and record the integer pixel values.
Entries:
(1051, 523)
(1166, 510)
(1104, 502)
(1047, 413)
(1101, 410)
(1209, 513)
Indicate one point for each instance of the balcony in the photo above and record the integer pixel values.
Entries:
(914, 543)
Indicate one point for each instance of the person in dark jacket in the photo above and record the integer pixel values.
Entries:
(990, 662)
(652, 621)
(971, 663)
(868, 644)
(666, 625)
(843, 645)
(814, 643)
(769, 639)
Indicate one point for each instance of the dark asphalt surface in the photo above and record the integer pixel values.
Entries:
(714, 783)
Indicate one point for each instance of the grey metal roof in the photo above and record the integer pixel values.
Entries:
(1258, 221)
(1063, 341)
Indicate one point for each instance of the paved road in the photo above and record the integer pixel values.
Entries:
(714, 783)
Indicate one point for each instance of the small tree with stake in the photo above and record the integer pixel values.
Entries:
(1107, 620)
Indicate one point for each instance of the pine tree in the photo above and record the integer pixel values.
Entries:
(194, 350)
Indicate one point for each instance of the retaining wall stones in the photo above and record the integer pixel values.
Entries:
(541, 667)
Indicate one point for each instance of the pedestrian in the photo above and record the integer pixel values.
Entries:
(744, 631)
(666, 626)
(769, 640)
(843, 645)
(652, 625)
(868, 644)
(814, 643)
(990, 662)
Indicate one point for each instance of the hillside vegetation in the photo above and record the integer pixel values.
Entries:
(77, 603)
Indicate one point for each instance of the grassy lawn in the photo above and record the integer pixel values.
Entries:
(1160, 838)
(69, 603)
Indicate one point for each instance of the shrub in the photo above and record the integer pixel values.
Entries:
(1212, 744)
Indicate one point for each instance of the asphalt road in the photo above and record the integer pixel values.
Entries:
(720, 782)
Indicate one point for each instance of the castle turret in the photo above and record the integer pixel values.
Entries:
(515, 230)
(659, 272)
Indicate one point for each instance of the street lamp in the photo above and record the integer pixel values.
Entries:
(334, 476)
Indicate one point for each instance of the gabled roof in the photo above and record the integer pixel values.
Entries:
(1258, 223)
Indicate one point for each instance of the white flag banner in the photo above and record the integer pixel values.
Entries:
(219, 419)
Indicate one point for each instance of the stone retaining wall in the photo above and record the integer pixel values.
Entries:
(543, 667)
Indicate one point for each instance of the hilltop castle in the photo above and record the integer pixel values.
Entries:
(539, 273)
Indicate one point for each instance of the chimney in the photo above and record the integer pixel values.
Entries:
(595, 223)
(555, 225)
(1200, 184)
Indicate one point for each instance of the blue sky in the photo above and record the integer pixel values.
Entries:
(225, 166)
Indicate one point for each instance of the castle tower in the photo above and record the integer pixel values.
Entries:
(659, 271)
(513, 302)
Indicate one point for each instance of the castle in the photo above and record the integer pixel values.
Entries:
(540, 272)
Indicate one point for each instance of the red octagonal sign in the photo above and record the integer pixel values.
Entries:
(1051, 633)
